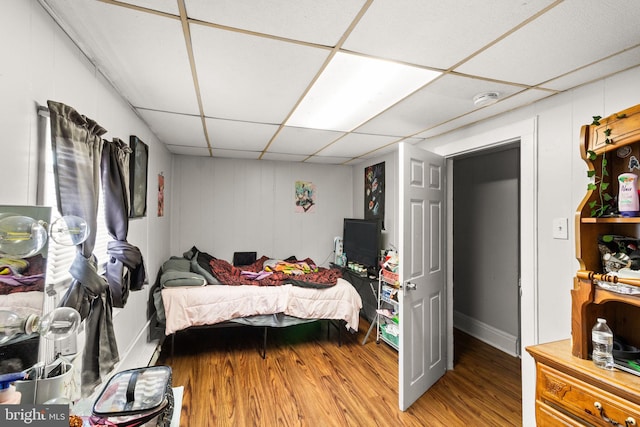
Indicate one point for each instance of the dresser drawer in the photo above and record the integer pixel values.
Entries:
(547, 416)
(586, 402)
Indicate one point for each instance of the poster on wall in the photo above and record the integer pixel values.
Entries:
(305, 197)
(160, 194)
(374, 192)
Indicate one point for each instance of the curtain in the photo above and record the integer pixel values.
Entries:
(125, 269)
(77, 149)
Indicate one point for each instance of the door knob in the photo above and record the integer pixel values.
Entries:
(410, 286)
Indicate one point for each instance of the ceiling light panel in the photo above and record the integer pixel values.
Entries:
(302, 141)
(436, 33)
(547, 46)
(353, 88)
(321, 22)
(250, 78)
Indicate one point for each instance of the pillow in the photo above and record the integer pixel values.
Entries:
(190, 253)
(176, 264)
(200, 264)
(173, 278)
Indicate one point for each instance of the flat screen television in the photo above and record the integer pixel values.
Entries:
(361, 241)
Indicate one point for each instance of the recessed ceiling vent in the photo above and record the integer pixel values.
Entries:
(485, 98)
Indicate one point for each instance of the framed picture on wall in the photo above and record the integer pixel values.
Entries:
(138, 164)
(374, 192)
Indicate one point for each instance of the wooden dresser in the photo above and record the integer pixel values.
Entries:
(571, 391)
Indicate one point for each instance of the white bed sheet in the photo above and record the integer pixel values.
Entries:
(208, 305)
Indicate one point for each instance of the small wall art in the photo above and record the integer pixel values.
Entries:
(305, 197)
(374, 192)
(138, 165)
(160, 194)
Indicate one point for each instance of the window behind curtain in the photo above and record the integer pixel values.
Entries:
(61, 257)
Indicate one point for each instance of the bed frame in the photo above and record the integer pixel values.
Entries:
(290, 321)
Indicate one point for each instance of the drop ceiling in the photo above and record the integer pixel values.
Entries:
(221, 78)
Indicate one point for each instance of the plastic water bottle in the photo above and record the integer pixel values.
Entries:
(602, 340)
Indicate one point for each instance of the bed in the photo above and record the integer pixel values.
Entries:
(199, 290)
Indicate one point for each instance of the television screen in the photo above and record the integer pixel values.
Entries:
(361, 241)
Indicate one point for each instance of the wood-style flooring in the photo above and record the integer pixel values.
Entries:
(308, 380)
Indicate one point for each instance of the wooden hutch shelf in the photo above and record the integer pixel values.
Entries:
(590, 301)
(571, 390)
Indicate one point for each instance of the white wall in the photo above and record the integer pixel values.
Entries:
(561, 184)
(228, 205)
(41, 63)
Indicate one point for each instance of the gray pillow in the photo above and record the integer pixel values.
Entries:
(200, 269)
(176, 264)
(172, 278)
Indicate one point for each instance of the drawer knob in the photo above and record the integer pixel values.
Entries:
(630, 421)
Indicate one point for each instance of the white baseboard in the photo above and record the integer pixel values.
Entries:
(486, 333)
(141, 352)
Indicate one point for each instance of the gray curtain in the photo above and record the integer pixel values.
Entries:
(77, 149)
(125, 269)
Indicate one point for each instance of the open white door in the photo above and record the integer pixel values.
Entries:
(422, 358)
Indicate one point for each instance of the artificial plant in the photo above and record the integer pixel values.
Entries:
(602, 205)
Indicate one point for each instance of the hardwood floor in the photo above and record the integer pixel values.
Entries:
(308, 380)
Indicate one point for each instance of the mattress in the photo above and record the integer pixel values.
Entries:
(207, 305)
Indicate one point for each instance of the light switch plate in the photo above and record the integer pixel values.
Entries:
(561, 228)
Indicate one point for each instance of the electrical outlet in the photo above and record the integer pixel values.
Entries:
(561, 228)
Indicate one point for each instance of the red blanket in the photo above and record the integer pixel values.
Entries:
(231, 275)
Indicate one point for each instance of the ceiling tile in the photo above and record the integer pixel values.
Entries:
(176, 129)
(284, 157)
(435, 33)
(327, 160)
(622, 61)
(166, 6)
(356, 144)
(251, 78)
(519, 100)
(391, 148)
(139, 52)
(188, 151)
(450, 96)
(255, 61)
(573, 34)
(236, 154)
(234, 135)
(308, 20)
(302, 141)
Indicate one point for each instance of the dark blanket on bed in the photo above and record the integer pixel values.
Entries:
(231, 275)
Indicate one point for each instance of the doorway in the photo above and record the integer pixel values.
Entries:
(486, 246)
